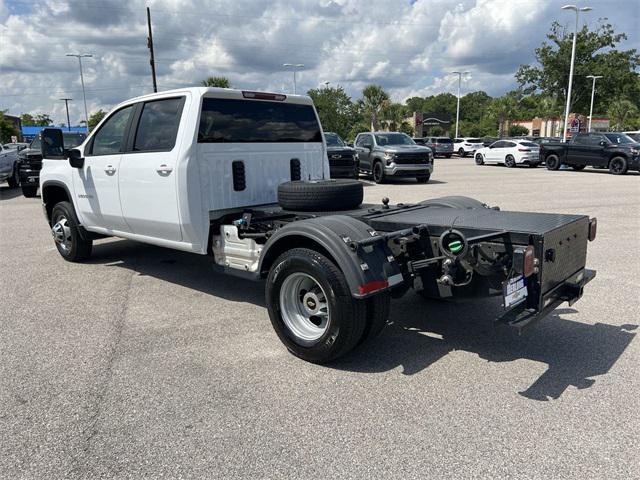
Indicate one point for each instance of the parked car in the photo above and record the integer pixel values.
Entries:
(635, 135)
(208, 171)
(616, 151)
(440, 146)
(343, 160)
(465, 146)
(393, 154)
(9, 166)
(510, 153)
(30, 161)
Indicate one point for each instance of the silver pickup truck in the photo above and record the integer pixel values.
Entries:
(8, 166)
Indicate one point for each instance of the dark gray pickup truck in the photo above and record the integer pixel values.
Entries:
(616, 151)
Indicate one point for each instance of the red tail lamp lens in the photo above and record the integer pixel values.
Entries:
(372, 286)
(264, 96)
(529, 266)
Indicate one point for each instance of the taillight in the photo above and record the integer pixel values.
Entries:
(593, 228)
(372, 286)
(264, 96)
(524, 150)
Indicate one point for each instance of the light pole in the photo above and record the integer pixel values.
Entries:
(80, 56)
(593, 92)
(294, 66)
(573, 57)
(66, 104)
(458, 107)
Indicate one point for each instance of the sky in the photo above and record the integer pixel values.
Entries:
(408, 47)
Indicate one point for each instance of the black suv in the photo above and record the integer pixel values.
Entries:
(343, 160)
(30, 161)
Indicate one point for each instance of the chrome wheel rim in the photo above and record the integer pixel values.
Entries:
(616, 166)
(62, 234)
(304, 307)
(510, 161)
(479, 160)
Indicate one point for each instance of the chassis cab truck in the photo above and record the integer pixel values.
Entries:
(242, 178)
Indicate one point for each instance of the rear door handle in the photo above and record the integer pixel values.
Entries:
(164, 169)
(110, 170)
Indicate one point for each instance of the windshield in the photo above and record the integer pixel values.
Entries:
(333, 140)
(73, 139)
(619, 138)
(383, 139)
(35, 144)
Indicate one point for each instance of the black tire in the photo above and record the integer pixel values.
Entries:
(78, 249)
(423, 178)
(29, 191)
(347, 316)
(309, 196)
(14, 180)
(618, 166)
(455, 201)
(509, 161)
(378, 172)
(377, 316)
(553, 162)
(577, 168)
(448, 155)
(479, 159)
(461, 152)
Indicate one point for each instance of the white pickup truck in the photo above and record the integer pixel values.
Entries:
(242, 178)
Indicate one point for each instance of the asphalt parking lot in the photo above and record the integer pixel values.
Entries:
(142, 362)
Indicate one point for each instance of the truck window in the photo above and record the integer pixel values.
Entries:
(158, 125)
(109, 139)
(251, 121)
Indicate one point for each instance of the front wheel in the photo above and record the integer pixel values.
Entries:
(479, 159)
(66, 234)
(311, 308)
(423, 178)
(618, 166)
(29, 191)
(461, 152)
(14, 180)
(378, 173)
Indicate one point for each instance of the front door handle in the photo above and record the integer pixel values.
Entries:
(110, 170)
(164, 170)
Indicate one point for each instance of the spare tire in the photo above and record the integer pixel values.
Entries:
(320, 195)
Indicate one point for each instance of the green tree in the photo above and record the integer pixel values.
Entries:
(27, 120)
(220, 82)
(374, 100)
(95, 118)
(38, 120)
(622, 113)
(393, 115)
(596, 54)
(518, 130)
(503, 109)
(7, 129)
(336, 110)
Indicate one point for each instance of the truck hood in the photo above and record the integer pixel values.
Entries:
(405, 149)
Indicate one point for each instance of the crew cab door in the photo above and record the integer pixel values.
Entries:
(364, 147)
(148, 170)
(96, 183)
(5, 162)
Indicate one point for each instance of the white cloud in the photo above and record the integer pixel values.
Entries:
(407, 46)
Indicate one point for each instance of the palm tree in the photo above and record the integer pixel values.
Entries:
(620, 112)
(393, 115)
(503, 108)
(221, 82)
(374, 100)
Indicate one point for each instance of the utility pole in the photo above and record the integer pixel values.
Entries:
(573, 58)
(458, 107)
(80, 56)
(593, 92)
(150, 46)
(66, 104)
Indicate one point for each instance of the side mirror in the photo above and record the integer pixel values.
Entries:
(76, 160)
(52, 145)
(603, 143)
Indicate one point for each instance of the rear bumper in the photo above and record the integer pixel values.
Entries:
(569, 291)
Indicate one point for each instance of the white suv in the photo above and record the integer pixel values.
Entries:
(467, 145)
